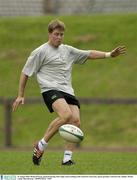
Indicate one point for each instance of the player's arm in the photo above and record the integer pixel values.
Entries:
(22, 84)
(101, 55)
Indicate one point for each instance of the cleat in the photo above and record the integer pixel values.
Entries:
(37, 155)
(68, 163)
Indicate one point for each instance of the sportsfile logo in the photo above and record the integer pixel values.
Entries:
(7, 177)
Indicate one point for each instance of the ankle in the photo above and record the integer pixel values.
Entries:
(42, 144)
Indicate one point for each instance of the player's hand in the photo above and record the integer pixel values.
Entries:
(117, 51)
(19, 100)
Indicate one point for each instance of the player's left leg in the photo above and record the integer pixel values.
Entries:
(75, 120)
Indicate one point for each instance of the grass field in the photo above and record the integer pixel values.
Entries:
(19, 36)
(103, 125)
(19, 162)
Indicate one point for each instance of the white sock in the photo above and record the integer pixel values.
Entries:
(42, 144)
(67, 156)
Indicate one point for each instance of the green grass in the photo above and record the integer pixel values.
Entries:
(19, 162)
(117, 78)
(103, 125)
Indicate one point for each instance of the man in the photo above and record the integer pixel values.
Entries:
(52, 63)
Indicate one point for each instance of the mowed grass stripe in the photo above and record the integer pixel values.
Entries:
(19, 162)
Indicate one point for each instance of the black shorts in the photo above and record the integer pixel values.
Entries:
(52, 95)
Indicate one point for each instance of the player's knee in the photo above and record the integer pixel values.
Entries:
(67, 116)
(78, 123)
(75, 121)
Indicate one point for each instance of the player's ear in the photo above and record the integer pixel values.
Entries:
(49, 34)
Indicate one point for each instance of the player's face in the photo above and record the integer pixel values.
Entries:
(56, 37)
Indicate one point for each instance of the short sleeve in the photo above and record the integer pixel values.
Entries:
(80, 56)
(33, 64)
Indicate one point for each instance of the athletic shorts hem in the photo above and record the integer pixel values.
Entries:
(52, 95)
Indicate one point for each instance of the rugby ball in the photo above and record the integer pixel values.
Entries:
(71, 133)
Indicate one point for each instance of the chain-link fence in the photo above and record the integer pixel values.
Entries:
(42, 7)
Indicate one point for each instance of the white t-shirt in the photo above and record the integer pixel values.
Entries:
(53, 66)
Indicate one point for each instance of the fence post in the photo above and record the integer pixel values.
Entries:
(8, 122)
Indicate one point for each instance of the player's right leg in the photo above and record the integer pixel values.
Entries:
(64, 113)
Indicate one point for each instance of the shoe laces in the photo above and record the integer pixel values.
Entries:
(37, 152)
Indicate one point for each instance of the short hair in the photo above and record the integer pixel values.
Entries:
(56, 24)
